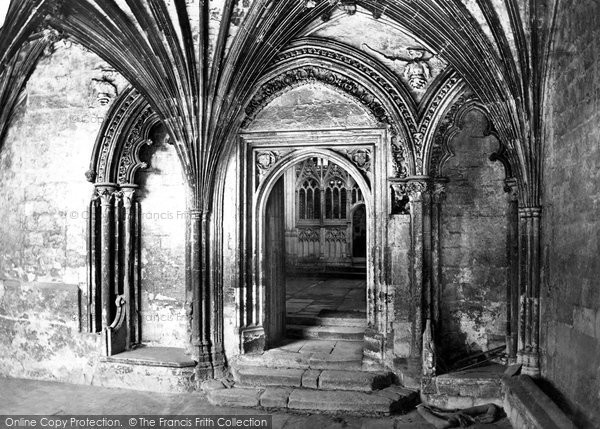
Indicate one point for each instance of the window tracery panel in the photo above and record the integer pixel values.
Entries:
(324, 191)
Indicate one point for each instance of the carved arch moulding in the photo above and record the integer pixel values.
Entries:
(361, 78)
(351, 73)
(439, 152)
(126, 129)
(114, 233)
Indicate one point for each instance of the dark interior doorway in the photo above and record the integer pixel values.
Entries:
(359, 234)
(315, 233)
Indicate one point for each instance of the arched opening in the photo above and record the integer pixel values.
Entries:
(475, 272)
(359, 234)
(161, 195)
(314, 290)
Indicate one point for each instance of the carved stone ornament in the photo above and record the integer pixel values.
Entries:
(394, 94)
(265, 161)
(441, 152)
(400, 200)
(361, 158)
(296, 77)
(130, 161)
(398, 157)
(309, 235)
(406, 192)
(439, 192)
(335, 235)
(511, 187)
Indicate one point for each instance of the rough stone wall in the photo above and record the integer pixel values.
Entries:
(311, 106)
(162, 197)
(44, 198)
(43, 205)
(571, 218)
(473, 245)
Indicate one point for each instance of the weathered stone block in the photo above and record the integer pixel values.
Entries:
(353, 380)
(263, 376)
(351, 402)
(235, 397)
(275, 397)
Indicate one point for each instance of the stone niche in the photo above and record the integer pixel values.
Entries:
(162, 198)
(473, 241)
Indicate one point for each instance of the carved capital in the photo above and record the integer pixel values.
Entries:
(196, 214)
(511, 187)
(128, 193)
(530, 212)
(400, 200)
(438, 193)
(416, 190)
(105, 192)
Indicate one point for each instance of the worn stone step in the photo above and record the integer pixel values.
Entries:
(352, 402)
(354, 380)
(360, 381)
(465, 389)
(326, 321)
(326, 332)
(392, 399)
(343, 358)
(153, 378)
(263, 376)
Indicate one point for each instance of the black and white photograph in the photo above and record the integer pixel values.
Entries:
(300, 214)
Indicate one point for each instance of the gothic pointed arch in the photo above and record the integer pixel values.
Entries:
(352, 72)
(125, 130)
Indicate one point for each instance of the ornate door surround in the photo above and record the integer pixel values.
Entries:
(263, 158)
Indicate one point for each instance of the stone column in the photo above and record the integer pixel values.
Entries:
(199, 349)
(419, 212)
(512, 284)
(529, 289)
(128, 263)
(94, 280)
(437, 199)
(203, 330)
(105, 192)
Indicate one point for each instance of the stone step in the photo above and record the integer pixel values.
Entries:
(465, 389)
(327, 379)
(340, 356)
(326, 321)
(162, 379)
(155, 369)
(326, 332)
(392, 399)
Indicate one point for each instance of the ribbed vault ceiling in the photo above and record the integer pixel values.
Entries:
(197, 62)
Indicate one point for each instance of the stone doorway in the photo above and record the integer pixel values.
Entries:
(312, 285)
(264, 161)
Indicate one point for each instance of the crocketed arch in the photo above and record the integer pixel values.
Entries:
(126, 128)
(347, 69)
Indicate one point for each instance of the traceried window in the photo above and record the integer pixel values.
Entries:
(309, 199)
(324, 191)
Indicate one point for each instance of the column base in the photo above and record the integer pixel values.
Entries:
(253, 339)
(530, 362)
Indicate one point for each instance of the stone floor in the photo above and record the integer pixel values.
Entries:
(22, 397)
(309, 296)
